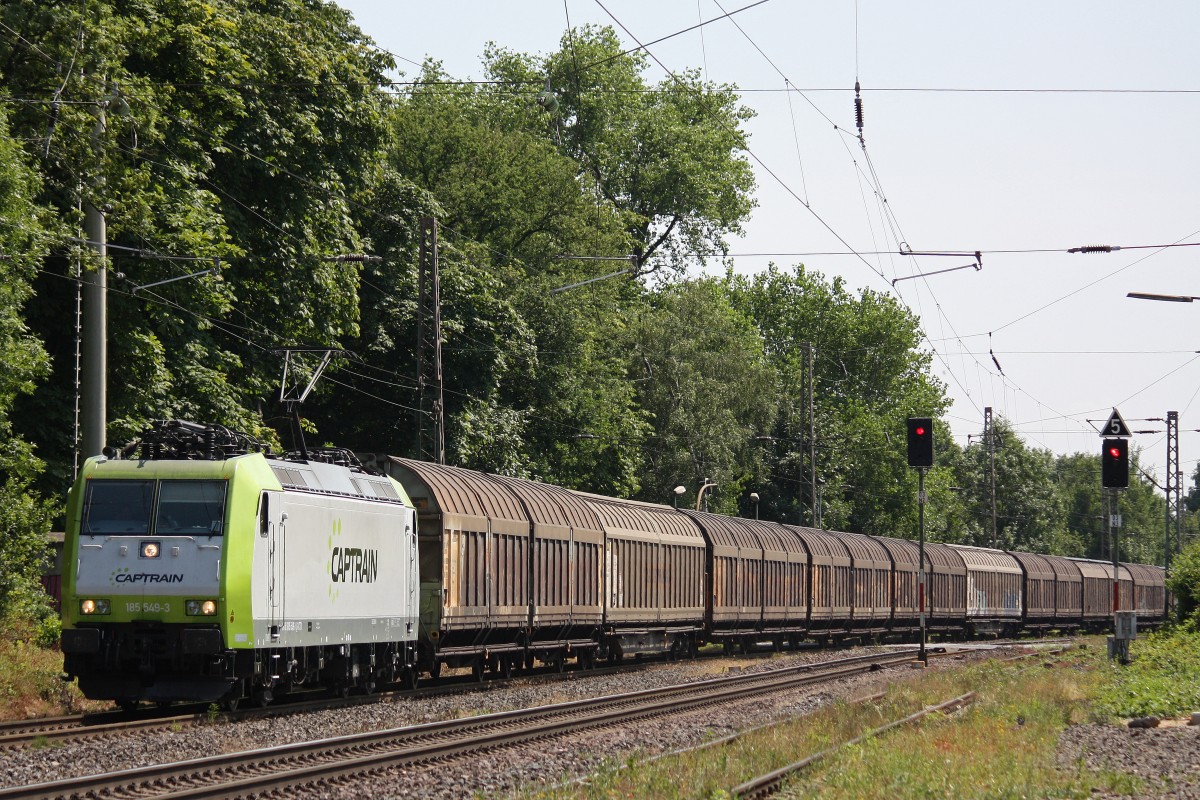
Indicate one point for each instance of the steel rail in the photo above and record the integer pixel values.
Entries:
(26, 732)
(311, 763)
(766, 785)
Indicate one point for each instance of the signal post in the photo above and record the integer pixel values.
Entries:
(1114, 476)
(920, 456)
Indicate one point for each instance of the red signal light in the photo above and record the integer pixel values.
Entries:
(920, 441)
(1115, 452)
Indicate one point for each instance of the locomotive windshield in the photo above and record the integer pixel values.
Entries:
(184, 508)
(190, 508)
(118, 507)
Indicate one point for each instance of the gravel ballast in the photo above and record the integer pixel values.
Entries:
(1166, 758)
(1168, 751)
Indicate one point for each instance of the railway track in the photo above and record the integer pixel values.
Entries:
(48, 730)
(22, 733)
(314, 763)
(766, 785)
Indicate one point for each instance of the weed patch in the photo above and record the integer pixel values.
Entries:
(30, 685)
(1004, 745)
(1163, 678)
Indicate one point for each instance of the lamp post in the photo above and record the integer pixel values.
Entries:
(679, 490)
(1166, 298)
(754, 499)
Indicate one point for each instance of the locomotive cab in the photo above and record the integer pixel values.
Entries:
(208, 570)
(145, 601)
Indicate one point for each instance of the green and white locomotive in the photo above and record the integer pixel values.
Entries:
(206, 569)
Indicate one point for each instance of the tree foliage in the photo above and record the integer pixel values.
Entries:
(1184, 581)
(572, 195)
(25, 236)
(669, 158)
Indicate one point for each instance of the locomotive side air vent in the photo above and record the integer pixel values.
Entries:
(385, 489)
(289, 477)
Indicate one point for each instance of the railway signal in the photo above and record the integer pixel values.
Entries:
(920, 442)
(1114, 464)
(920, 455)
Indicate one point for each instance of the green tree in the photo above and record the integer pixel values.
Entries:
(536, 376)
(707, 389)
(25, 518)
(175, 121)
(869, 375)
(1184, 581)
(669, 157)
(1078, 480)
(1029, 509)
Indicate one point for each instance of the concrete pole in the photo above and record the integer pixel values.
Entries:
(94, 378)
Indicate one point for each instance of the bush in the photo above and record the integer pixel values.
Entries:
(1184, 581)
(1163, 679)
(32, 610)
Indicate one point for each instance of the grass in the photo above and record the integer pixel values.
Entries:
(1001, 746)
(30, 685)
(1163, 679)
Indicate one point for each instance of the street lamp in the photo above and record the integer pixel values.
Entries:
(1168, 298)
(754, 499)
(678, 491)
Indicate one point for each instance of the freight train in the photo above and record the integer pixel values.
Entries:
(200, 567)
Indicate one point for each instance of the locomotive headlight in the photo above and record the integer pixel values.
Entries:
(201, 608)
(90, 607)
(150, 550)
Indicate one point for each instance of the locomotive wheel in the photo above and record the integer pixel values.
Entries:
(408, 679)
(230, 704)
(128, 706)
(263, 697)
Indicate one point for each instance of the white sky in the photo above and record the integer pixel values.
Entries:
(979, 170)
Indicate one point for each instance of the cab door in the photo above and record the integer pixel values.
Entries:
(270, 558)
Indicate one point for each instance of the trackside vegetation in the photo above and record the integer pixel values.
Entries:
(1002, 745)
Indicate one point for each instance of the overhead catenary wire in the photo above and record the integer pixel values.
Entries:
(856, 19)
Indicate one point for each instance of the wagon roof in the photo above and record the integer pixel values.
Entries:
(1036, 566)
(551, 505)
(638, 516)
(1064, 568)
(904, 553)
(996, 560)
(452, 490)
(820, 543)
(943, 555)
(741, 532)
(865, 548)
(1090, 568)
(1145, 573)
